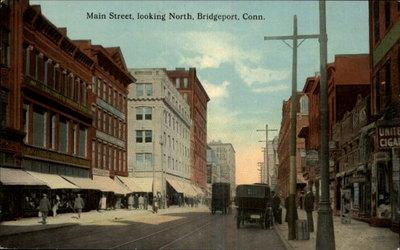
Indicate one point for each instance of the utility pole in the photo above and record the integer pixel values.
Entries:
(292, 213)
(325, 232)
(266, 160)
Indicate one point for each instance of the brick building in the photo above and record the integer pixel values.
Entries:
(110, 80)
(284, 142)
(383, 160)
(46, 127)
(190, 87)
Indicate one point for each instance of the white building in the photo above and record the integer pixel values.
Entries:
(225, 154)
(272, 163)
(213, 169)
(158, 132)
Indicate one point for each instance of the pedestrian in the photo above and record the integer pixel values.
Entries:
(141, 202)
(287, 208)
(130, 202)
(136, 201)
(155, 204)
(44, 207)
(103, 203)
(146, 201)
(179, 201)
(276, 201)
(309, 207)
(78, 205)
(56, 205)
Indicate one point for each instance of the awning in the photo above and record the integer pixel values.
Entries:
(82, 183)
(131, 184)
(198, 190)
(189, 191)
(14, 177)
(106, 184)
(146, 184)
(53, 181)
(176, 185)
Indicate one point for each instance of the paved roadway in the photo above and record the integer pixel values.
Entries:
(180, 230)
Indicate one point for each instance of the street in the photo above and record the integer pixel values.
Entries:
(181, 228)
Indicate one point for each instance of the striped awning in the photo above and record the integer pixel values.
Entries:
(82, 183)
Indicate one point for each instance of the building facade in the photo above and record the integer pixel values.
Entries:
(187, 83)
(384, 24)
(108, 95)
(273, 162)
(225, 154)
(159, 130)
(283, 146)
(45, 81)
(213, 169)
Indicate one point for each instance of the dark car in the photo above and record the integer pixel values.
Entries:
(254, 205)
(220, 199)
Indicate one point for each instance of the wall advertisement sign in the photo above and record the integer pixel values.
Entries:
(388, 137)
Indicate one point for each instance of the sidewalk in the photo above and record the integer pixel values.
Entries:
(70, 219)
(356, 235)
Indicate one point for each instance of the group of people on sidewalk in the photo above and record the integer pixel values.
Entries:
(45, 207)
(308, 207)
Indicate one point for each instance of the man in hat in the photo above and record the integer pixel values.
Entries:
(309, 207)
(44, 207)
(78, 205)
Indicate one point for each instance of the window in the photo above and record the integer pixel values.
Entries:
(376, 21)
(52, 131)
(5, 47)
(139, 136)
(388, 83)
(387, 13)
(177, 83)
(304, 104)
(63, 135)
(143, 113)
(3, 108)
(148, 134)
(139, 89)
(82, 141)
(144, 160)
(144, 89)
(185, 82)
(26, 121)
(38, 130)
(74, 139)
(377, 92)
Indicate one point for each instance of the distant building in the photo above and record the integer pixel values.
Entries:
(213, 168)
(187, 83)
(225, 154)
(283, 146)
(159, 131)
(273, 162)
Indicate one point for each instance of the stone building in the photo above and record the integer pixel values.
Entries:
(225, 154)
(159, 132)
(213, 169)
(187, 83)
(383, 131)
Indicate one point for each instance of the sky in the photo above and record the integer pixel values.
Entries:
(246, 77)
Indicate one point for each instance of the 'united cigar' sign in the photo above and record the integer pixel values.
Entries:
(389, 137)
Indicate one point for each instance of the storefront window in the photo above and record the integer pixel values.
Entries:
(383, 192)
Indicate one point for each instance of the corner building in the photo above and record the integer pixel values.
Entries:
(190, 87)
(159, 134)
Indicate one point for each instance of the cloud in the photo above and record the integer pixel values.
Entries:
(216, 90)
(259, 75)
(212, 49)
(271, 89)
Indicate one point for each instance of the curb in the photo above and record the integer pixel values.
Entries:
(38, 230)
(283, 239)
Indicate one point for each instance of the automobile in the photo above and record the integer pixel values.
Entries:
(254, 205)
(220, 197)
